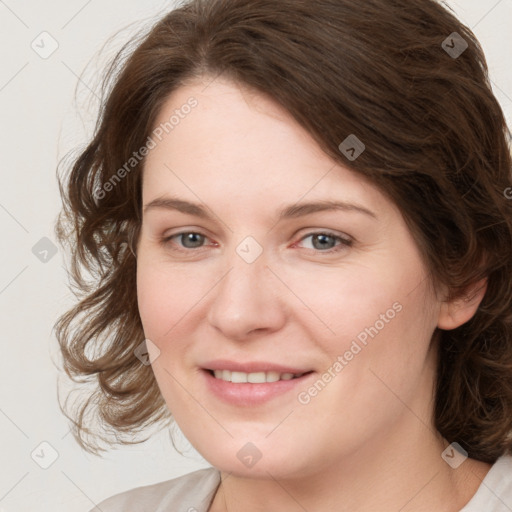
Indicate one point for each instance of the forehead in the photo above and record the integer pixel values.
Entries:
(238, 144)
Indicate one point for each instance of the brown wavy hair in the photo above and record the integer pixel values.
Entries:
(437, 145)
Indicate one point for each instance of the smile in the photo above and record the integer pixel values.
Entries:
(254, 377)
(250, 389)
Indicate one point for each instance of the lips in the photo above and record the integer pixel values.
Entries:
(242, 384)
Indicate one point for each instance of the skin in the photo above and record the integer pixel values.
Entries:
(366, 441)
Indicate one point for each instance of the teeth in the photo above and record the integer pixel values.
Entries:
(237, 376)
(255, 378)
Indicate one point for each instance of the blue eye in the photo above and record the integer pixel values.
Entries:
(326, 242)
(188, 239)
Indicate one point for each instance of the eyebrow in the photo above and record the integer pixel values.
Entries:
(289, 212)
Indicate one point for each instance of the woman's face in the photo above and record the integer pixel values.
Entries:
(245, 263)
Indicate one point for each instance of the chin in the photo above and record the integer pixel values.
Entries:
(250, 461)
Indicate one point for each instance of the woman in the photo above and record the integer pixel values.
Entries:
(295, 220)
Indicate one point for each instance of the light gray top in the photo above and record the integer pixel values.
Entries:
(194, 492)
(495, 491)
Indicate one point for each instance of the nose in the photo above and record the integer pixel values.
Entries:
(247, 301)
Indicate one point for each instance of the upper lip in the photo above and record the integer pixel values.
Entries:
(251, 367)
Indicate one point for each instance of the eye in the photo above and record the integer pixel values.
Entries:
(187, 240)
(326, 242)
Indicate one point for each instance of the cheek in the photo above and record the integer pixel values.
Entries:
(378, 316)
(341, 302)
(163, 300)
(166, 295)
(155, 311)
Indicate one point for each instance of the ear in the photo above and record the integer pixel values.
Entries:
(458, 311)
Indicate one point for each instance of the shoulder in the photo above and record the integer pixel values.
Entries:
(193, 492)
(495, 492)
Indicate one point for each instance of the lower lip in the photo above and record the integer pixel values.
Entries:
(250, 394)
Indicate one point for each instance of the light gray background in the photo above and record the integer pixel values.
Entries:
(40, 123)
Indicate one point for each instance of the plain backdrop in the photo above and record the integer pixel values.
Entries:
(41, 120)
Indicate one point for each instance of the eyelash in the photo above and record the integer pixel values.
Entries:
(344, 242)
